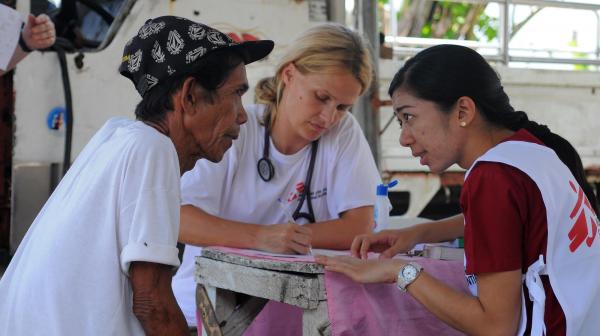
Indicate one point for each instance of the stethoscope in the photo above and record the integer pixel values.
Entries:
(266, 171)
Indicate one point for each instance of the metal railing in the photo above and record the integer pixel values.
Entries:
(502, 52)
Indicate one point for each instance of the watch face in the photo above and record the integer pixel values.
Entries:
(409, 272)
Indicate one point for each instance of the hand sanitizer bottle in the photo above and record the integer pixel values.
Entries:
(381, 212)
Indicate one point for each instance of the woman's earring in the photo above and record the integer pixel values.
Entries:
(463, 124)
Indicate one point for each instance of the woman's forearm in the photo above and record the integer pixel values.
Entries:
(441, 230)
(200, 228)
(338, 234)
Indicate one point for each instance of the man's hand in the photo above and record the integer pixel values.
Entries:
(153, 301)
(285, 238)
(39, 32)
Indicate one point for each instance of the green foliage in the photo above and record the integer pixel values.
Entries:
(460, 26)
(453, 19)
(487, 26)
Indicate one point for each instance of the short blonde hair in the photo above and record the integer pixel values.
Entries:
(325, 49)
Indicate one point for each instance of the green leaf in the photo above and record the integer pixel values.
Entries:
(426, 31)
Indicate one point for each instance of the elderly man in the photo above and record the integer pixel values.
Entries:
(98, 258)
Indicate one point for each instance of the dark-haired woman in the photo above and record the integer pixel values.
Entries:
(532, 257)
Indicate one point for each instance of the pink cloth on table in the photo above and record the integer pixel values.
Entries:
(265, 255)
(382, 309)
(357, 309)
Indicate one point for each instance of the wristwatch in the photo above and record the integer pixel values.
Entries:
(407, 275)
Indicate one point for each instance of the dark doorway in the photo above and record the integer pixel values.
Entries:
(7, 109)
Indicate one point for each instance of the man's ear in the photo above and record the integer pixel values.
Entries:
(187, 98)
(466, 110)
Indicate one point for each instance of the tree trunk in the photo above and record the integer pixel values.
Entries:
(415, 14)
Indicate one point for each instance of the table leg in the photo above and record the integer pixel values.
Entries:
(315, 322)
(205, 297)
(226, 313)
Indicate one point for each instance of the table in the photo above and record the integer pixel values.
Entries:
(234, 285)
(232, 289)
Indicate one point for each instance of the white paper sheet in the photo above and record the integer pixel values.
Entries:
(10, 28)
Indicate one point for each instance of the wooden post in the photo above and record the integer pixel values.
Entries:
(210, 325)
(315, 322)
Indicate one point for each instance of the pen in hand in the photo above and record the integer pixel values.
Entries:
(290, 219)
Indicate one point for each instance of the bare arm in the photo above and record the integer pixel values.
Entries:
(153, 302)
(495, 311)
(338, 234)
(391, 242)
(197, 227)
(441, 230)
(39, 33)
(200, 228)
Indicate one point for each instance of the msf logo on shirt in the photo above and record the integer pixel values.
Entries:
(299, 190)
(296, 192)
(585, 227)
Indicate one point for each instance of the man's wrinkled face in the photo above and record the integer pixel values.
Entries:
(217, 121)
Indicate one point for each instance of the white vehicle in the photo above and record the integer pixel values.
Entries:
(33, 155)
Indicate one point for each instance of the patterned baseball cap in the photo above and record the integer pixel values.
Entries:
(172, 46)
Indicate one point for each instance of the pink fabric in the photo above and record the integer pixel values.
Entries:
(275, 319)
(382, 309)
(265, 255)
(356, 309)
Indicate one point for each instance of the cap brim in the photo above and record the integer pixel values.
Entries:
(254, 50)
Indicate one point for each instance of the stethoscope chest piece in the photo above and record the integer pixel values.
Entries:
(266, 171)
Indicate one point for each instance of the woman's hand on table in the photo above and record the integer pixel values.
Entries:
(285, 238)
(363, 271)
(387, 242)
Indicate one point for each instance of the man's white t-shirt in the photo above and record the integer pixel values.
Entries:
(118, 203)
(344, 177)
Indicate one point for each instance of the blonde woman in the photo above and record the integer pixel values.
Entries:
(301, 154)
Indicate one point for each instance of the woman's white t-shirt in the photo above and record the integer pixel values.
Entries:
(344, 177)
